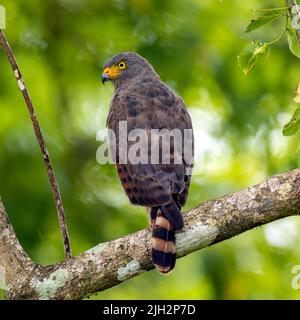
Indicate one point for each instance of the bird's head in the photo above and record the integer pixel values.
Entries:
(125, 67)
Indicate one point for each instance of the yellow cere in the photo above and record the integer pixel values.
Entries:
(112, 72)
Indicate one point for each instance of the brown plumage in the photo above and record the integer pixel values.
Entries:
(145, 102)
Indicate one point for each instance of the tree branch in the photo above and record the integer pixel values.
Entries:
(15, 265)
(41, 141)
(293, 4)
(111, 263)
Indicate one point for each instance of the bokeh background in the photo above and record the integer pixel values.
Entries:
(61, 45)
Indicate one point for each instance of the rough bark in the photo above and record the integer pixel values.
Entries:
(111, 263)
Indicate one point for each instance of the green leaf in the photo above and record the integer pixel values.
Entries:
(293, 125)
(249, 55)
(293, 43)
(267, 17)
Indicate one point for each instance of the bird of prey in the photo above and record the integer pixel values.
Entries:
(145, 102)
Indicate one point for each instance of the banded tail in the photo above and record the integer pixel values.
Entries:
(165, 221)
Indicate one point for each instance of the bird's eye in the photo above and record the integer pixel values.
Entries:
(122, 65)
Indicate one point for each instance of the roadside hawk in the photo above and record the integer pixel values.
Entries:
(142, 101)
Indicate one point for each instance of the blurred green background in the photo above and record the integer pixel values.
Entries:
(61, 45)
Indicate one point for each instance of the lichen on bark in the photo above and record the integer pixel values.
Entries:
(118, 260)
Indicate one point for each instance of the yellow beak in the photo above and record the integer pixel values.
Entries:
(109, 73)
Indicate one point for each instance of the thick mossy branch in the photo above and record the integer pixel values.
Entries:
(111, 263)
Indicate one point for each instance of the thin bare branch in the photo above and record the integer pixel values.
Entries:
(41, 141)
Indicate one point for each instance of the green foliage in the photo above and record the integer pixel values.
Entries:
(293, 43)
(293, 125)
(267, 17)
(250, 55)
(193, 46)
